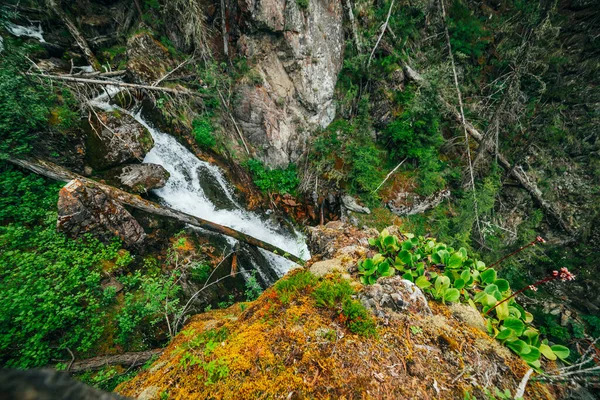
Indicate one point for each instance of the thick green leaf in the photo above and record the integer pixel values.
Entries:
(561, 352)
(515, 324)
(459, 283)
(455, 261)
(408, 276)
(465, 275)
(502, 284)
(519, 347)
(480, 265)
(505, 334)
(405, 257)
(422, 282)
(532, 356)
(502, 311)
(452, 295)
(373, 242)
(547, 352)
(488, 276)
(372, 279)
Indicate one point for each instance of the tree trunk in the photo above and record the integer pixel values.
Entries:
(79, 39)
(59, 173)
(133, 359)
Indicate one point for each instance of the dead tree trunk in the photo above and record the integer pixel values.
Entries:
(71, 78)
(59, 173)
(133, 359)
(224, 29)
(79, 39)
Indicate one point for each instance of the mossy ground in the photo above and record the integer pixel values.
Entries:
(284, 345)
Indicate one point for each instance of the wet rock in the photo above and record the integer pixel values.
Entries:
(392, 295)
(83, 209)
(147, 59)
(297, 54)
(139, 178)
(114, 138)
(351, 205)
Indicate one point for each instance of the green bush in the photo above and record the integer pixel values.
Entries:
(50, 283)
(274, 180)
(303, 4)
(203, 132)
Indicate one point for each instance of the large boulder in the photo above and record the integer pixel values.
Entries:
(296, 56)
(85, 209)
(139, 178)
(115, 138)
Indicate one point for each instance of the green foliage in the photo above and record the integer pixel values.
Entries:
(150, 300)
(51, 282)
(197, 351)
(416, 135)
(450, 275)
(346, 154)
(467, 34)
(287, 289)
(253, 288)
(24, 105)
(274, 180)
(202, 130)
(303, 4)
(335, 292)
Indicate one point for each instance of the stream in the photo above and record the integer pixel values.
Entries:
(199, 188)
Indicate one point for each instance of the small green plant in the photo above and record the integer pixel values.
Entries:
(274, 180)
(253, 289)
(336, 293)
(203, 132)
(303, 4)
(416, 330)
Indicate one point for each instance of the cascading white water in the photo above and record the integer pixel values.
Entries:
(200, 188)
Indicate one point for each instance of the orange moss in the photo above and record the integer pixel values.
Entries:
(297, 350)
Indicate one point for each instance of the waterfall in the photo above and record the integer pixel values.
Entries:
(199, 188)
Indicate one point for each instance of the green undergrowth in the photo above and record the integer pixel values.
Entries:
(334, 294)
(451, 275)
(273, 180)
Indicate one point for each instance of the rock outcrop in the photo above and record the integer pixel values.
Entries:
(114, 138)
(139, 178)
(296, 53)
(392, 295)
(84, 209)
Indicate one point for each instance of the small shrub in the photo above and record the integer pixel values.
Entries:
(303, 4)
(274, 180)
(203, 132)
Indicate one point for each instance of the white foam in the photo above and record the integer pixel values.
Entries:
(35, 32)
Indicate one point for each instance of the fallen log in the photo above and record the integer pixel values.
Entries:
(70, 78)
(131, 360)
(59, 173)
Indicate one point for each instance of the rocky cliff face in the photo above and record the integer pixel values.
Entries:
(295, 53)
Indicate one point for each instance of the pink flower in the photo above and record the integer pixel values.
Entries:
(540, 239)
(532, 287)
(565, 275)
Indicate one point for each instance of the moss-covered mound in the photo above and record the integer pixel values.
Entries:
(309, 337)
